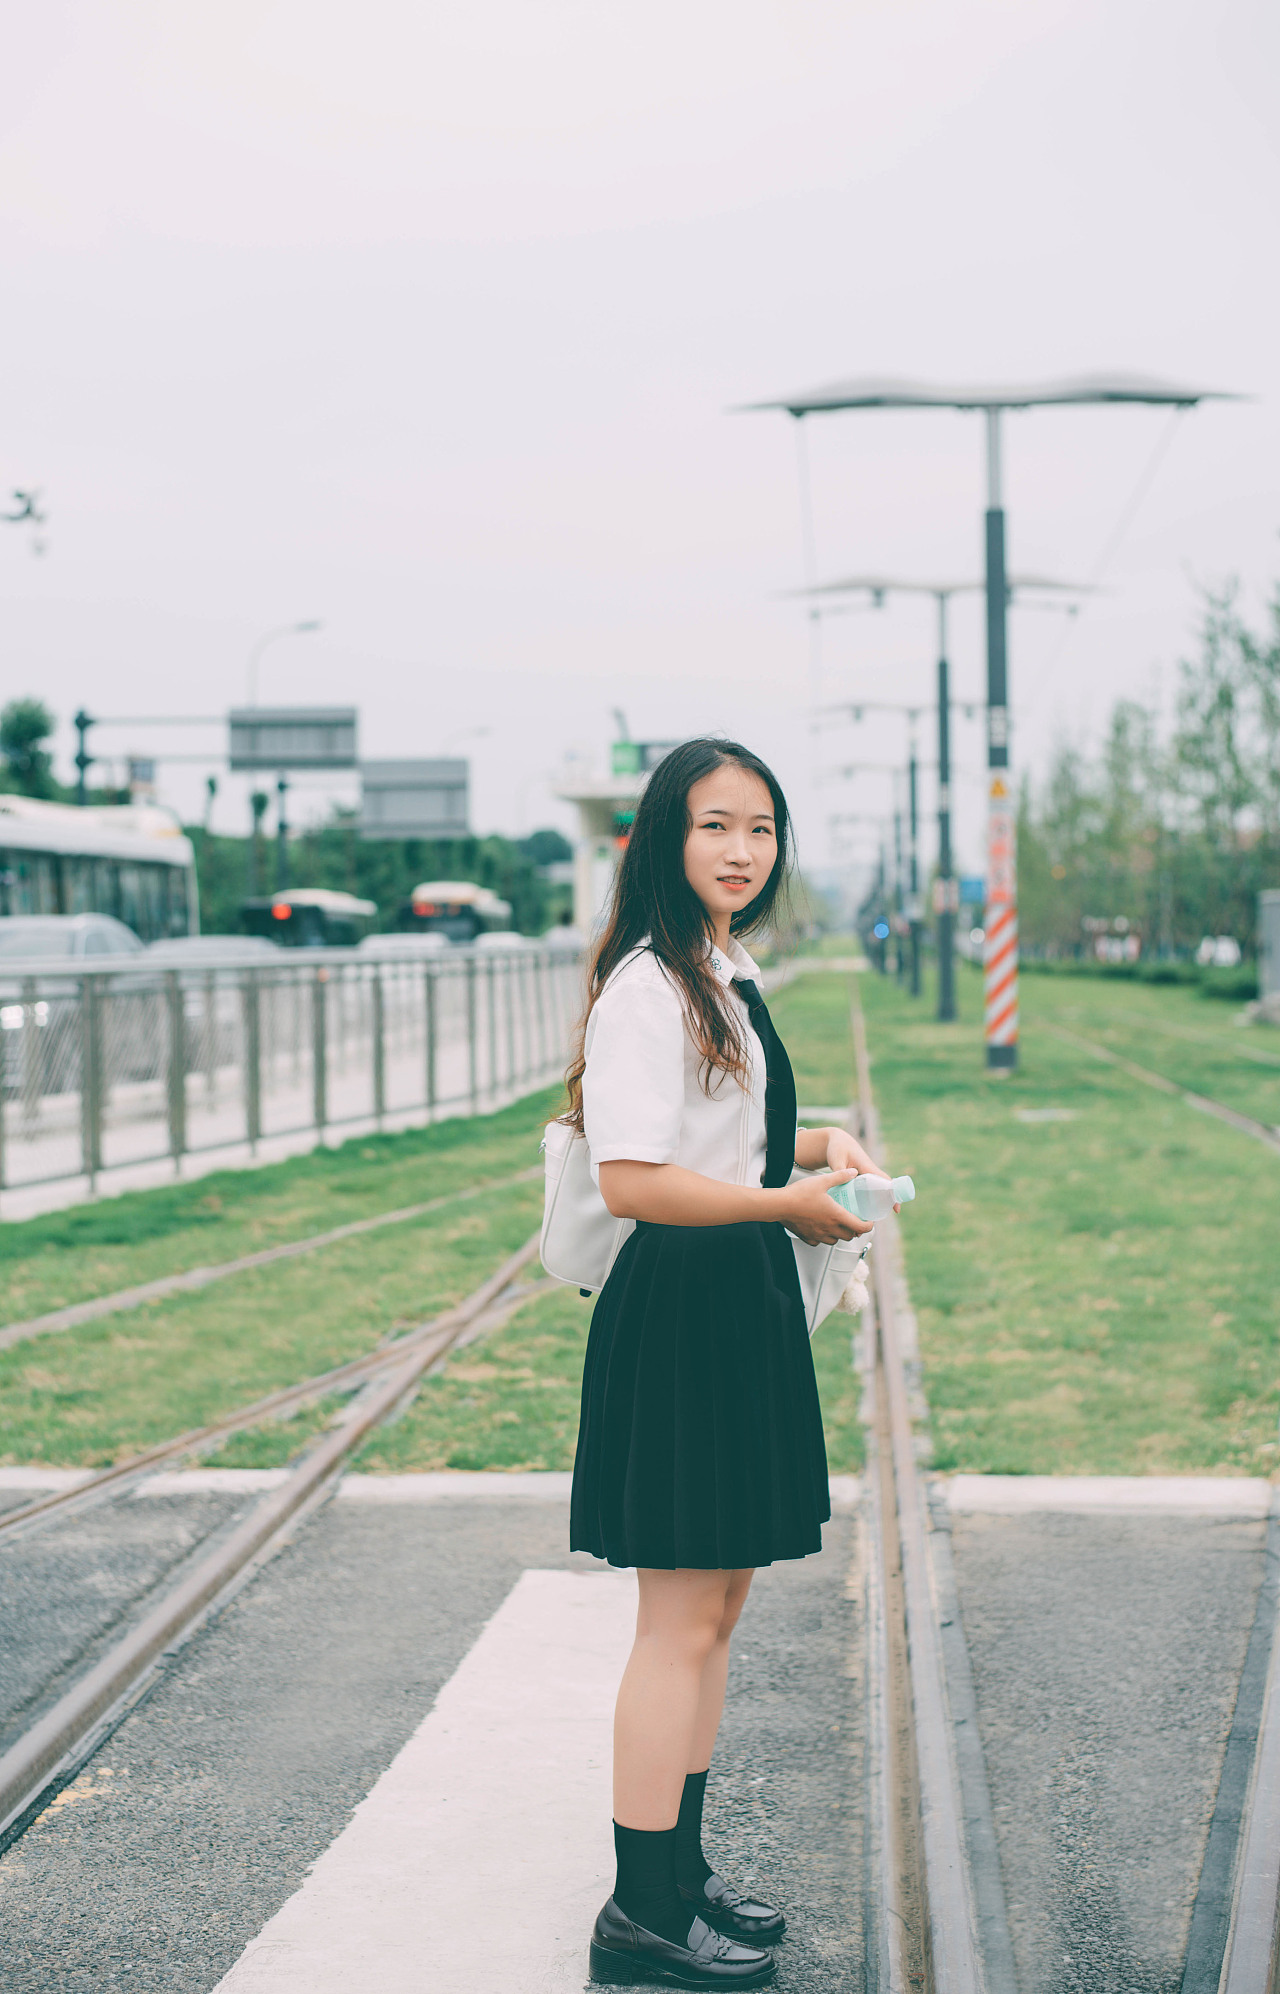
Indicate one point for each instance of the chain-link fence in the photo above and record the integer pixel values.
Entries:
(109, 1068)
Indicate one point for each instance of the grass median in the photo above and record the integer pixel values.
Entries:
(89, 1396)
(1094, 1264)
(121, 1242)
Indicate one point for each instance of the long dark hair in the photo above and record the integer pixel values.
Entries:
(653, 898)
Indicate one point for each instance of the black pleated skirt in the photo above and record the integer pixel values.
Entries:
(700, 1444)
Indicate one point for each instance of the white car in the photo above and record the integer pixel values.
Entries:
(46, 937)
(398, 947)
(499, 939)
(210, 951)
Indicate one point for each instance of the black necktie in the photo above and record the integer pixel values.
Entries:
(780, 1091)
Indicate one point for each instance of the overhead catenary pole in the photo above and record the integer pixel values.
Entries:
(1000, 923)
(1084, 390)
(945, 892)
(913, 857)
(899, 953)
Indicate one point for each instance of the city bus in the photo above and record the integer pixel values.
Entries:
(458, 909)
(130, 861)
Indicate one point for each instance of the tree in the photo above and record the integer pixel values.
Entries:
(25, 725)
(1177, 838)
(545, 848)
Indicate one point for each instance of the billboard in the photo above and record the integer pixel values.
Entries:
(414, 799)
(292, 737)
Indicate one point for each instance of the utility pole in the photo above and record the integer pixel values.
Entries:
(946, 887)
(913, 861)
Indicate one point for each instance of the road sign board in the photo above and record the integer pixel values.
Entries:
(293, 737)
(414, 799)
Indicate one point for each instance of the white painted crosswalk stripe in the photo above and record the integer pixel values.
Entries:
(480, 1858)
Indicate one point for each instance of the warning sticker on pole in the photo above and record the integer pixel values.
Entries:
(1001, 863)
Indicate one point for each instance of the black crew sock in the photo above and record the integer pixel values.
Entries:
(692, 1867)
(646, 1886)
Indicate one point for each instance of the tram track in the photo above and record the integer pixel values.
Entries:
(193, 1279)
(1263, 1132)
(277, 1405)
(936, 1920)
(939, 1859)
(63, 1737)
(927, 1910)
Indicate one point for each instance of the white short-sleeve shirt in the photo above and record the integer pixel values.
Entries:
(643, 1100)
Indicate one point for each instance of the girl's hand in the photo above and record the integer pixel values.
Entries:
(814, 1216)
(843, 1153)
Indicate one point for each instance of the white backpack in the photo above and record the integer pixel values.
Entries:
(581, 1238)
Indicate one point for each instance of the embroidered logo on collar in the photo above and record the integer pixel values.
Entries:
(716, 964)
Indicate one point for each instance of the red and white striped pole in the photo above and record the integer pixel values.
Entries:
(1000, 947)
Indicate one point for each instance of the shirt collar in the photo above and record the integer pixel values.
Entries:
(727, 964)
(733, 963)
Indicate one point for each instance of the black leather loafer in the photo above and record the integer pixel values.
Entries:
(738, 1917)
(625, 1955)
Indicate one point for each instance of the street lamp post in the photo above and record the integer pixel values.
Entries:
(271, 637)
(302, 629)
(1000, 950)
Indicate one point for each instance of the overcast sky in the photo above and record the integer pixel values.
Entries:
(426, 320)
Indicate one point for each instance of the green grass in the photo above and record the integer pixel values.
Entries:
(1085, 1304)
(87, 1396)
(91, 1249)
(1095, 1295)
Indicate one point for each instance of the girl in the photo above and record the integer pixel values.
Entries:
(700, 1452)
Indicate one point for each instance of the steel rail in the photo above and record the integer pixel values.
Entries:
(1254, 1053)
(194, 1278)
(59, 1739)
(201, 1439)
(1245, 1124)
(955, 1963)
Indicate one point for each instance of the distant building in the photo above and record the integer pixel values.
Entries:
(606, 808)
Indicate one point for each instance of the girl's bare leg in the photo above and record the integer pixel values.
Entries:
(661, 1719)
(715, 1672)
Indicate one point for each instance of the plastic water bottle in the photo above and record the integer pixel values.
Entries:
(871, 1198)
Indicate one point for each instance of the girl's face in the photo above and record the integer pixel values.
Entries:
(731, 846)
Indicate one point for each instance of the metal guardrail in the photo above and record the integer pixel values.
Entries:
(105, 1068)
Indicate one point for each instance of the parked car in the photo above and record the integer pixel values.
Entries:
(40, 1041)
(564, 940)
(399, 947)
(46, 937)
(210, 951)
(500, 939)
